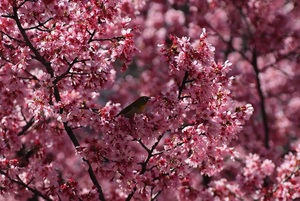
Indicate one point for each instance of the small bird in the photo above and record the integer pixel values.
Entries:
(137, 107)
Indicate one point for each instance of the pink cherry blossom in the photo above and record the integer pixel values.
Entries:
(222, 121)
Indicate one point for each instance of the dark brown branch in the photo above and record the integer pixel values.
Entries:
(90, 170)
(273, 191)
(131, 194)
(94, 110)
(150, 154)
(262, 99)
(112, 39)
(144, 164)
(36, 53)
(94, 180)
(68, 129)
(230, 45)
(40, 24)
(6, 61)
(253, 62)
(143, 145)
(26, 127)
(67, 71)
(21, 183)
(184, 80)
(156, 195)
(33, 76)
(21, 4)
(11, 38)
(91, 34)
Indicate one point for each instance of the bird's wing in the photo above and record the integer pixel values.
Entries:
(125, 110)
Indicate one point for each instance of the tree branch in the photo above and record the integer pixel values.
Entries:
(184, 81)
(90, 170)
(68, 129)
(40, 24)
(144, 164)
(36, 53)
(21, 183)
(26, 127)
(150, 154)
(261, 97)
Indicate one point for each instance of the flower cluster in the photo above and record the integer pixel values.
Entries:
(221, 123)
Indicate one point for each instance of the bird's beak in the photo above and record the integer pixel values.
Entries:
(151, 98)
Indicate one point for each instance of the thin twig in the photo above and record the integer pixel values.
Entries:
(26, 127)
(184, 80)
(21, 183)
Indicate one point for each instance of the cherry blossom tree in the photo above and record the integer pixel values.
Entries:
(222, 122)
